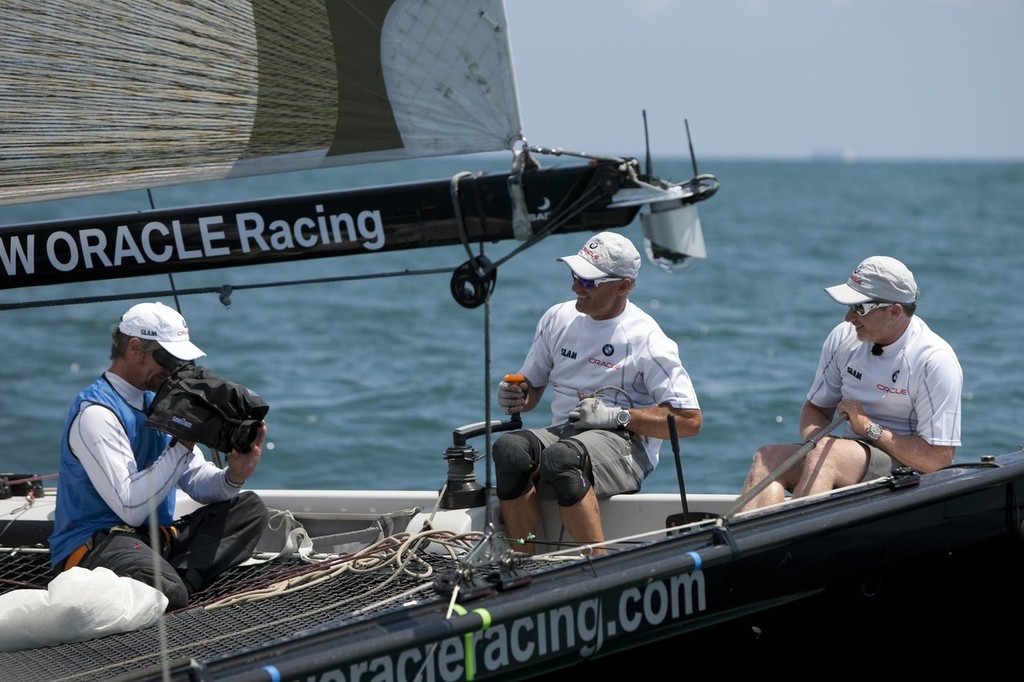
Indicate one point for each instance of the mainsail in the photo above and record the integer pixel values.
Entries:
(117, 95)
(98, 97)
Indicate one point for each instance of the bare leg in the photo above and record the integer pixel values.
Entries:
(766, 459)
(520, 516)
(583, 521)
(833, 463)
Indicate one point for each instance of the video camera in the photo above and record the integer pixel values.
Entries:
(196, 405)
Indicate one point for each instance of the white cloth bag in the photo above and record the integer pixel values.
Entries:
(78, 604)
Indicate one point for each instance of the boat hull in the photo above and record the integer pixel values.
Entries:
(898, 552)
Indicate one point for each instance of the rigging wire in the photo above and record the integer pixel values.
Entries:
(154, 522)
(220, 290)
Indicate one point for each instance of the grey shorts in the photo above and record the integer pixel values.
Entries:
(880, 463)
(618, 459)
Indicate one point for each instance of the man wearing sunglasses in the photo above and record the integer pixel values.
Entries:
(895, 381)
(615, 378)
(115, 472)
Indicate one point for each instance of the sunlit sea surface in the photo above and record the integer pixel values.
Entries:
(366, 379)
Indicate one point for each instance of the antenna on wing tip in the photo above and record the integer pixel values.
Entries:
(689, 141)
(647, 145)
(673, 238)
(703, 186)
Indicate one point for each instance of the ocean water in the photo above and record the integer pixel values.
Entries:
(366, 379)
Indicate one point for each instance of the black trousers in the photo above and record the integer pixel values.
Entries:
(202, 545)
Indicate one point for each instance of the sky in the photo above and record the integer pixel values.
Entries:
(869, 79)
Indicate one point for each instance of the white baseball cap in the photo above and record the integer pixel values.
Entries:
(163, 324)
(606, 254)
(879, 278)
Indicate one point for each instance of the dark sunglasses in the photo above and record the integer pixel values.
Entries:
(591, 283)
(165, 359)
(863, 309)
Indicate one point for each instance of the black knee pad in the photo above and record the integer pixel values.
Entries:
(515, 459)
(562, 466)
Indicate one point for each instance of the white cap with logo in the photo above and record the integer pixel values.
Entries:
(879, 278)
(163, 324)
(606, 254)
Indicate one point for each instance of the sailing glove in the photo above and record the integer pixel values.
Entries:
(509, 396)
(591, 413)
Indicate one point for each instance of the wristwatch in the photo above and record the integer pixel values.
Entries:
(622, 418)
(874, 431)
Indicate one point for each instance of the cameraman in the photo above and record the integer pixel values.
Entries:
(115, 472)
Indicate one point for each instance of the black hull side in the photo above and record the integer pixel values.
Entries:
(873, 548)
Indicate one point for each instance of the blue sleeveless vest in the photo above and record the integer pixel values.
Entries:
(80, 510)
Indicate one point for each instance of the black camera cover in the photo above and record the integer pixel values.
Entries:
(196, 405)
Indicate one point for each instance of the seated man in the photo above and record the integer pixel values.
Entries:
(601, 441)
(115, 473)
(895, 380)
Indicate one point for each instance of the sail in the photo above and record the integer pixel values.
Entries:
(117, 95)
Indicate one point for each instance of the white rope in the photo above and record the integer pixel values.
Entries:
(399, 552)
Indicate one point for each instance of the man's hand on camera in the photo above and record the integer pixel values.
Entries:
(241, 465)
